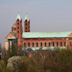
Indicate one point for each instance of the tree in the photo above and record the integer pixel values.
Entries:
(2, 66)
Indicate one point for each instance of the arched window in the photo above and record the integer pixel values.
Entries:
(70, 43)
(41, 44)
(49, 44)
(64, 43)
(26, 20)
(17, 19)
(53, 44)
(28, 44)
(37, 44)
(32, 44)
(17, 27)
(56, 43)
(24, 44)
(45, 44)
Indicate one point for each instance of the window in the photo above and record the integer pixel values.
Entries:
(17, 19)
(41, 44)
(64, 43)
(45, 44)
(49, 44)
(37, 44)
(52, 43)
(28, 44)
(70, 43)
(56, 43)
(24, 44)
(18, 31)
(26, 20)
(32, 44)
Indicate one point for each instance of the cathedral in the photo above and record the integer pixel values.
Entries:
(35, 40)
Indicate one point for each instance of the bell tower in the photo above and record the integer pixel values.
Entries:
(27, 24)
(19, 30)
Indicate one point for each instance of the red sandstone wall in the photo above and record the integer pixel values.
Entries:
(19, 31)
(47, 40)
(27, 26)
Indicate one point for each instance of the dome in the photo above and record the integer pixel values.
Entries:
(27, 18)
(18, 17)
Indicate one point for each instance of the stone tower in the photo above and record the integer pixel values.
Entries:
(27, 24)
(19, 30)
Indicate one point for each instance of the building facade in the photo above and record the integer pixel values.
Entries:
(28, 39)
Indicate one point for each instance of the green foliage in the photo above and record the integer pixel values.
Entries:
(2, 66)
(54, 61)
(40, 61)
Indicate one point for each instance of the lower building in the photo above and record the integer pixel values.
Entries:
(47, 40)
(36, 40)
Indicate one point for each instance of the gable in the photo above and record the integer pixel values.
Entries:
(10, 36)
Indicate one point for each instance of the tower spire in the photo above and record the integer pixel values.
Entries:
(27, 18)
(18, 17)
(27, 24)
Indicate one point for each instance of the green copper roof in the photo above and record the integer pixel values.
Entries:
(45, 34)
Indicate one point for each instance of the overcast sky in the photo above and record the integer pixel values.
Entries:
(45, 15)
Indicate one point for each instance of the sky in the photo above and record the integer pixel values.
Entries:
(45, 15)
